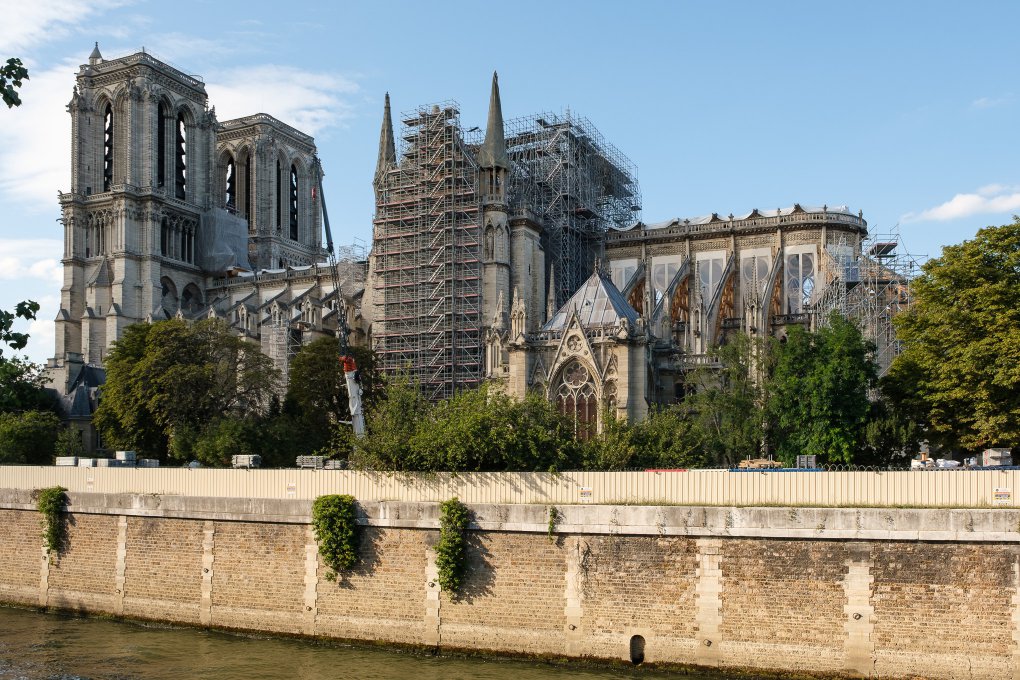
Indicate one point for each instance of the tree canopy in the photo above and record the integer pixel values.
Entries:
(961, 340)
(170, 382)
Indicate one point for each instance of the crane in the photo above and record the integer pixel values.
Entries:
(343, 331)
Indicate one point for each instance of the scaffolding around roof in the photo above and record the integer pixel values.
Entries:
(871, 286)
(576, 184)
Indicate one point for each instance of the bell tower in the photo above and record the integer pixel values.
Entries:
(142, 139)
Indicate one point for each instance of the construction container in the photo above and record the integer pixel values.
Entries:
(147, 463)
(246, 461)
(991, 457)
(67, 460)
(313, 462)
(86, 462)
(128, 456)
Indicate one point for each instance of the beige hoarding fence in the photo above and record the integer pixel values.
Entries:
(949, 488)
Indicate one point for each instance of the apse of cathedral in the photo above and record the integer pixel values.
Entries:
(514, 255)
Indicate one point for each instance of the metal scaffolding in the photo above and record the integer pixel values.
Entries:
(870, 286)
(427, 236)
(427, 257)
(577, 184)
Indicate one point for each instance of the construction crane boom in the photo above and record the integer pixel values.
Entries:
(343, 331)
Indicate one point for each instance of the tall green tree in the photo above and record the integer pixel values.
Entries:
(961, 340)
(818, 401)
(726, 401)
(28, 438)
(168, 382)
(317, 396)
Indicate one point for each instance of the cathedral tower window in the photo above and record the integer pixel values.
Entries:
(181, 159)
(231, 188)
(799, 275)
(279, 196)
(164, 237)
(108, 147)
(293, 203)
(162, 143)
(247, 189)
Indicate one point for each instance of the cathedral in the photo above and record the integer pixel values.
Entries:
(514, 254)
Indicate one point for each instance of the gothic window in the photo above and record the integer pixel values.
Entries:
(610, 395)
(168, 300)
(248, 189)
(164, 237)
(710, 268)
(181, 159)
(279, 196)
(754, 273)
(664, 268)
(162, 142)
(622, 271)
(799, 279)
(108, 147)
(293, 203)
(231, 188)
(575, 397)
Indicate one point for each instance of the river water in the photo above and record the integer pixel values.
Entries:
(38, 646)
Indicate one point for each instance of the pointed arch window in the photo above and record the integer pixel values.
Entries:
(231, 188)
(181, 159)
(162, 144)
(279, 196)
(293, 203)
(247, 188)
(576, 397)
(108, 147)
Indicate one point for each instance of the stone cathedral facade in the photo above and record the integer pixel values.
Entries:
(172, 213)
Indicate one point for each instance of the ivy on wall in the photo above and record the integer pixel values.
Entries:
(334, 519)
(51, 503)
(451, 552)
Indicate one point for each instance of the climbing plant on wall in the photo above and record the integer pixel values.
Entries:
(451, 553)
(334, 519)
(51, 503)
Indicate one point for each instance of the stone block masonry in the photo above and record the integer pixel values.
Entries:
(858, 592)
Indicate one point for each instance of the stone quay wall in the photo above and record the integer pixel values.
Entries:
(862, 592)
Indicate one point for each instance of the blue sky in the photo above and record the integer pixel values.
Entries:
(905, 110)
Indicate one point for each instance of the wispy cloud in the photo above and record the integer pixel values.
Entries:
(37, 258)
(993, 198)
(28, 24)
(990, 102)
(35, 140)
(310, 101)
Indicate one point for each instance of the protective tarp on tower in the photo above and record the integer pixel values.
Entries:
(223, 242)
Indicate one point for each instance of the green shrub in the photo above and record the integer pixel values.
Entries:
(51, 503)
(334, 519)
(451, 552)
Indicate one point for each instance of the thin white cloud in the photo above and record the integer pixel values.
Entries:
(35, 140)
(39, 258)
(990, 102)
(990, 199)
(308, 100)
(28, 24)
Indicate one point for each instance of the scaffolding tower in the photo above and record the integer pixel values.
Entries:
(427, 256)
(871, 286)
(577, 184)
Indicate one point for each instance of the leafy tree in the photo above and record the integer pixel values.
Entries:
(818, 395)
(727, 402)
(317, 391)
(167, 383)
(961, 341)
(69, 442)
(12, 75)
(25, 310)
(390, 428)
(22, 387)
(669, 438)
(28, 438)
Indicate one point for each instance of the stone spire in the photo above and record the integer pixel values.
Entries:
(493, 151)
(550, 301)
(96, 57)
(387, 152)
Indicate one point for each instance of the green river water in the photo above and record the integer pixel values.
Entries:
(39, 646)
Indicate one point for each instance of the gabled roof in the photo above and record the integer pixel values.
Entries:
(598, 304)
